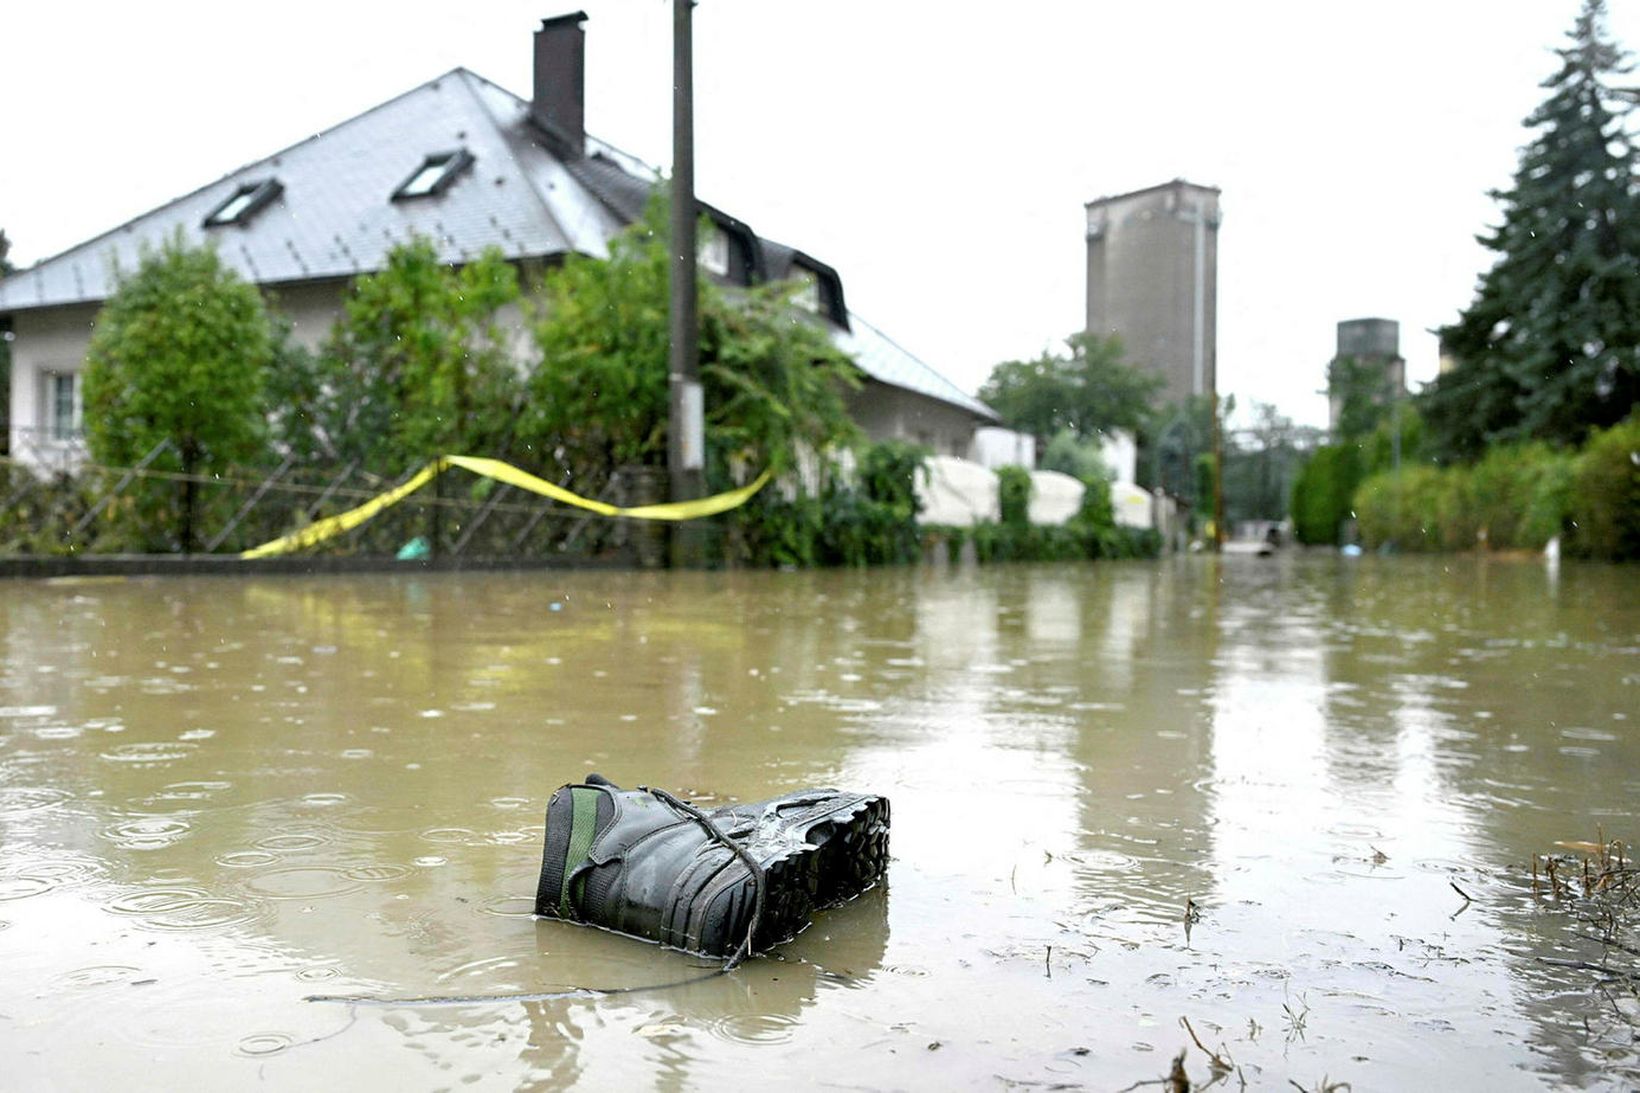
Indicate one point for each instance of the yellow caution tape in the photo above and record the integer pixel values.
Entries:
(332, 526)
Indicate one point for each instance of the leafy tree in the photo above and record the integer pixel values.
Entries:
(179, 353)
(417, 366)
(774, 383)
(1364, 393)
(1088, 391)
(1323, 493)
(1550, 346)
(1176, 449)
(1070, 454)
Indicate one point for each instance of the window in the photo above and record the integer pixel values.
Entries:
(435, 174)
(807, 295)
(714, 251)
(62, 409)
(245, 202)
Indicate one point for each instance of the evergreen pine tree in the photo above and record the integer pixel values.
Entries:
(1550, 347)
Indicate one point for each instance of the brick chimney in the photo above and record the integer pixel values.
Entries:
(559, 106)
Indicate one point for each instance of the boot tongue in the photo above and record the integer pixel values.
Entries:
(596, 779)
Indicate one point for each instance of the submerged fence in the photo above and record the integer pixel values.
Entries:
(80, 507)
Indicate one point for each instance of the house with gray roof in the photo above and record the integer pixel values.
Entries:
(466, 165)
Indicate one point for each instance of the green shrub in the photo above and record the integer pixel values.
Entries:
(1516, 498)
(1014, 491)
(1323, 492)
(870, 519)
(1605, 494)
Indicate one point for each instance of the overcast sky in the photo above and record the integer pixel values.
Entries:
(937, 153)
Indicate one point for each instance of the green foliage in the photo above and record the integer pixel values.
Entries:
(1550, 346)
(875, 523)
(1604, 496)
(416, 367)
(1087, 392)
(1515, 498)
(1378, 449)
(1177, 441)
(598, 398)
(1364, 392)
(41, 509)
(869, 518)
(1079, 457)
(774, 383)
(1014, 496)
(297, 398)
(1518, 497)
(179, 354)
(1323, 491)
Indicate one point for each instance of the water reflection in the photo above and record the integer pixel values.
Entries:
(218, 797)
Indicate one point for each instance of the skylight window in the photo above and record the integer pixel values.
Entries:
(245, 202)
(435, 174)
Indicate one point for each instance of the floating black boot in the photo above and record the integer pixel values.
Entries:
(726, 883)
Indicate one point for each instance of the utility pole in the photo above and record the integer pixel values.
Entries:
(1218, 478)
(686, 429)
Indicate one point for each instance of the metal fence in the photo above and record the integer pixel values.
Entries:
(55, 500)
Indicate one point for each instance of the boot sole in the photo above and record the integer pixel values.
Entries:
(844, 854)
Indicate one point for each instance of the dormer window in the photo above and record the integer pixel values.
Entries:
(714, 251)
(245, 202)
(807, 294)
(435, 174)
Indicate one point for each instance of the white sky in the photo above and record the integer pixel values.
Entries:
(937, 153)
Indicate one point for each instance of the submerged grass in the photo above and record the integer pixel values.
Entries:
(1599, 884)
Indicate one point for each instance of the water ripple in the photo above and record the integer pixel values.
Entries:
(18, 800)
(302, 882)
(149, 753)
(286, 843)
(263, 1044)
(246, 859)
(753, 1028)
(147, 833)
(181, 908)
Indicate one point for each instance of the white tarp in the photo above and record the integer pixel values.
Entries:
(1132, 505)
(1055, 497)
(957, 493)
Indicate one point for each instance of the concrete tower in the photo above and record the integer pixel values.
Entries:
(1373, 342)
(1153, 279)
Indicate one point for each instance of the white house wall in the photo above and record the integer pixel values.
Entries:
(48, 341)
(311, 308)
(893, 413)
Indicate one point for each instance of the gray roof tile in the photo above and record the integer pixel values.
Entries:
(335, 219)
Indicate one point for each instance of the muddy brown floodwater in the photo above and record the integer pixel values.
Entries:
(220, 796)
